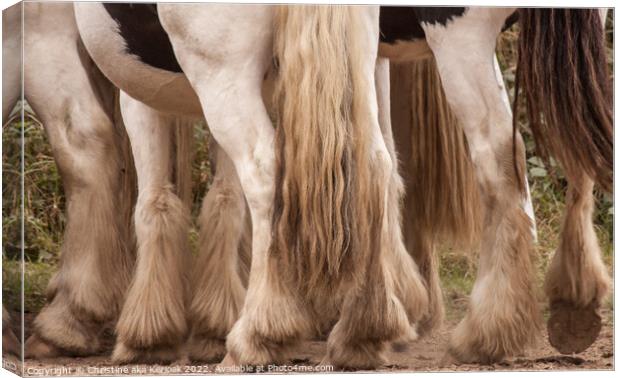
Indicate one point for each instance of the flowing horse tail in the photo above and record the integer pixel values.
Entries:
(324, 211)
(563, 71)
(183, 150)
(441, 198)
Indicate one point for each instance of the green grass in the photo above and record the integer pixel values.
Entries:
(44, 200)
(36, 277)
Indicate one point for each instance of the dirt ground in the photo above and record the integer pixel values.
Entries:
(426, 354)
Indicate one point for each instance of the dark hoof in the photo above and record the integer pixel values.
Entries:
(573, 329)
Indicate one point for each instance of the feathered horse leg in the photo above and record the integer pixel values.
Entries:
(577, 281)
(77, 106)
(219, 275)
(272, 318)
(503, 316)
(153, 322)
(408, 281)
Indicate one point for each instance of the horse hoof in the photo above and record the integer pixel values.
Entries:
(573, 329)
(124, 354)
(400, 346)
(447, 359)
(227, 363)
(206, 349)
(38, 348)
(10, 343)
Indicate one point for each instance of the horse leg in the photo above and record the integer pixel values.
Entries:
(11, 85)
(10, 342)
(577, 281)
(152, 322)
(96, 258)
(76, 106)
(503, 316)
(404, 270)
(218, 288)
(272, 317)
(11, 58)
(420, 137)
(392, 293)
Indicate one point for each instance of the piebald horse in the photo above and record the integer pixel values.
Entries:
(326, 240)
(499, 339)
(322, 250)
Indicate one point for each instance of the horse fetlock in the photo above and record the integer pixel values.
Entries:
(153, 317)
(10, 342)
(408, 285)
(249, 348)
(579, 282)
(268, 330)
(67, 330)
(216, 303)
(359, 338)
(576, 284)
(206, 348)
(361, 355)
(504, 317)
(36, 347)
(149, 324)
(434, 317)
(494, 335)
(212, 318)
(124, 354)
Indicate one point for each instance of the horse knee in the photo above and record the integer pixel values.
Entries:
(86, 151)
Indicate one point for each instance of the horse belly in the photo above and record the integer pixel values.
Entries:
(402, 36)
(130, 47)
(405, 51)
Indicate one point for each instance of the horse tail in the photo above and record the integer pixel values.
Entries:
(183, 153)
(320, 217)
(441, 196)
(563, 70)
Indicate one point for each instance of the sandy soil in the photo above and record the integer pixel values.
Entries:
(427, 354)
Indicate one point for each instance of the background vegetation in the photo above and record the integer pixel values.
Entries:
(44, 204)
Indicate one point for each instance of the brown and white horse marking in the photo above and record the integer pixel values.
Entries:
(169, 91)
(474, 89)
(227, 79)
